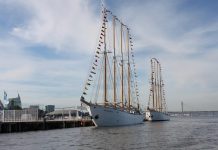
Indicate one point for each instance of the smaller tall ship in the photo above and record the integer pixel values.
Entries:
(156, 110)
(111, 92)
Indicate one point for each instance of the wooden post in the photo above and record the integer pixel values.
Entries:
(44, 124)
(9, 127)
(64, 124)
(19, 127)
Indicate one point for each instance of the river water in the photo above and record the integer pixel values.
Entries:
(182, 133)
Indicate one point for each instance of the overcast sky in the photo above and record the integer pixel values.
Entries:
(46, 47)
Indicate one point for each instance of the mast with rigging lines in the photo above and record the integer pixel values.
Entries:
(156, 111)
(115, 72)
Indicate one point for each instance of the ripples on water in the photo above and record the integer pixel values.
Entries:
(179, 133)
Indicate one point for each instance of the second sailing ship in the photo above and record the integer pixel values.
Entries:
(156, 110)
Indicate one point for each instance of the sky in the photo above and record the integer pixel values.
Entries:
(46, 47)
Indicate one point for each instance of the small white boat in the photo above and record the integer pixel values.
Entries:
(152, 115)
(156, 110)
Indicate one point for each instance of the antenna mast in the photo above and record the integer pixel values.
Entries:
(121, 48)
(114, 45)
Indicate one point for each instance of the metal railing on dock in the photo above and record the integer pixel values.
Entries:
(19, 115)
(30, 120)
(31, 115)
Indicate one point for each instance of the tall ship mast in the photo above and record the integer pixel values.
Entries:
(111, 90)
(157, 110)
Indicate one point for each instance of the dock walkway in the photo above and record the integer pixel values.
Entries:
(17, 121)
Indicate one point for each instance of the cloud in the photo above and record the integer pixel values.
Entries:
(186, 47)
(161, 25)
(65, 29)
(18, 73)
(62, 26)
(37, 79)
(183, 39)
(13, 63)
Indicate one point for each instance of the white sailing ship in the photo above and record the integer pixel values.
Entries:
(156, 110)
(111, 91)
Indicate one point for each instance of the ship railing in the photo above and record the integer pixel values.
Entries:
(66, 118)
(132, 109)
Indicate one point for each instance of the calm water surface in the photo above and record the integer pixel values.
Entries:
(179, 133)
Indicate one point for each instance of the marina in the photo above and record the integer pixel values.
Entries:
(108, 75)
(10, 127)
(22, 120)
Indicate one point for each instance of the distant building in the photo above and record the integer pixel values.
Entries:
(49, 108)
(34, 106)
(15, 103)
(1, 105)
(67, 114)
(41, 113)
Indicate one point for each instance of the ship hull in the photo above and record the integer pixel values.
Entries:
(152, 115)
(108, 116)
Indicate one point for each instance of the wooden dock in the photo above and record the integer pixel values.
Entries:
(9, 127)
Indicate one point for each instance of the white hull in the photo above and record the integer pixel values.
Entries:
(152, 115)
(106, 116)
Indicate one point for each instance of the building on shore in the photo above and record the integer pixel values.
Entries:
(14, 103)
(1, 105)
(67, 114)
(34, 107)
(49, 108)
